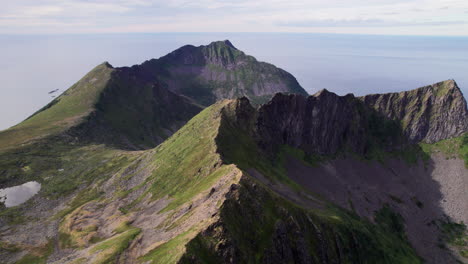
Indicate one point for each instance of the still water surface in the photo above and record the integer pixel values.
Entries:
(17, 195)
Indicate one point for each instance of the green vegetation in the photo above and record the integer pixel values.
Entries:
(348, 238)
(59, 166)
(390, 221)
(81, 198)
(63, 112)
(151, 113)
(452, 148)
(170, 251)
(71, 236)
(187, 163)
(8, 247)
(123, 227)
(341, 236)
(110, 249)
(238, 147)
(454, 233)
(66, 240)
(39, 255)
(13, 215)
(232, 74)
(442, 88)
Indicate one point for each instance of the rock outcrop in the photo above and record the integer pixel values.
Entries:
(323, 123)
(428, 114)
(326, 123)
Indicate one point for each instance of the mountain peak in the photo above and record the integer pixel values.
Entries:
(322, 92)
(221, 43)
(428, 114)
(107, 65)
(445, 88)
(220, 71)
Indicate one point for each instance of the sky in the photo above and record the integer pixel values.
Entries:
(383, 17)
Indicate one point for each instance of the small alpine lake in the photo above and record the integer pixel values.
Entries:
(19, 194)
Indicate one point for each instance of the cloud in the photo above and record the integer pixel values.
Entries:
(365, 23)
(337, 16)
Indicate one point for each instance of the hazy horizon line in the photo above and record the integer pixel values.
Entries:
(228, 32)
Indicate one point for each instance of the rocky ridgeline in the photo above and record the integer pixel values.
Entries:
(326, 123)
(428, 114)
(323, 123)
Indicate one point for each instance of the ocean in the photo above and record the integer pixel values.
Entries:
(33, 65)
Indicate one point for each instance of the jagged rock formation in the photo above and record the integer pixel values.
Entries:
(326, 123)
(427, 114)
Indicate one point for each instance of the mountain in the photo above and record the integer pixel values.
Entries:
(300, 179)
(220, 71)
(428, 114)
(138, 107)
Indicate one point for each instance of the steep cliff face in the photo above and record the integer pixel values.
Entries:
(428, 114)
(220, 71)
(418, 192)
(325, 123)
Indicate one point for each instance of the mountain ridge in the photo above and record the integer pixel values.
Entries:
(180, 199)
(144, 174)
(435, 103)
(90, 101)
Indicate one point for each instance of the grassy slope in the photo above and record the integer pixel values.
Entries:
(110, 249)
(331, 235)
(142, 112)
(61, 168)
(345, 236)
(63, 112)
(184, 166)
(452, 148)
(186, 163)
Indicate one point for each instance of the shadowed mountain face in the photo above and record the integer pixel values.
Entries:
(135, 112)
(317, 179)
